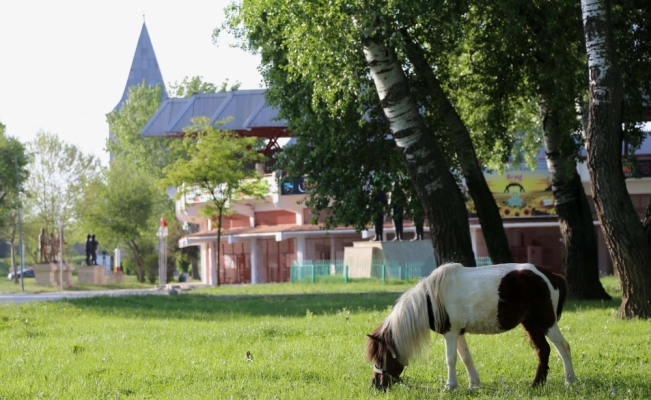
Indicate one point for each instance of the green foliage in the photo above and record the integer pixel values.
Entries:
(148, 155)
(129, 265)
(632, 35)
(121, 209)
(150, 263)
(218, 163)
(343, 144)
(191, 86)
(13, 160)
(183, 263)
(60, 174)
(102, 348)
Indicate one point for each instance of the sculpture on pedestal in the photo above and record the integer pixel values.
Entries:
(94, 244)
(380, 204)
(43, 245)
(89, 249)
(398, 204)
(417, 215)
(53, 247)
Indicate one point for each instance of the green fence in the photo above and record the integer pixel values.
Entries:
(336, 271)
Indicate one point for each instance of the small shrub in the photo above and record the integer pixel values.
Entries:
(150, 265)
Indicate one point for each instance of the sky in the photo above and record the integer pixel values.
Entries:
(64, 64)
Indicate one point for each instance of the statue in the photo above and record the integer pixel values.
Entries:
(398, 203)
(381, 201)
(53, 247)
(89, 249)
(43, 244)
(417, 214)
(94, 244)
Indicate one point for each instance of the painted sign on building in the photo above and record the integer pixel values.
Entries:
(295, 186)
(521, 192)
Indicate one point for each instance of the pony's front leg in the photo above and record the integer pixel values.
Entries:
(466, 358)
(451, 358)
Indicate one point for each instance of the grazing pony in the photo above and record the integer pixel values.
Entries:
(455, 300)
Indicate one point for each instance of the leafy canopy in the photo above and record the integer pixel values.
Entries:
(217, 162)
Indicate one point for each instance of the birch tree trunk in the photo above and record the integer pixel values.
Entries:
(580, 256)
(487, 210)
(629, 249)
(436, 186)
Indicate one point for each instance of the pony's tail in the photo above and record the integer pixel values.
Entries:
(562, 295)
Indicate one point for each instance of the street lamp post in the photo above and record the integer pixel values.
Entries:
(162, 252)
(20, 229)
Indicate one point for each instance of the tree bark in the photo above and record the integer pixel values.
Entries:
(580, 256)
(487, 210)
(424, 160)
(136, 254)
(219, 242)
(627, 242)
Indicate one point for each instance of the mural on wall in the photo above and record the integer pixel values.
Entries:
(520, 192)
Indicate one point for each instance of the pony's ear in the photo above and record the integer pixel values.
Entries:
(374, 338)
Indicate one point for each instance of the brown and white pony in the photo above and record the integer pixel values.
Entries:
(455, 300)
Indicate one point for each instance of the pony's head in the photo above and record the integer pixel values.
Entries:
(381, 351)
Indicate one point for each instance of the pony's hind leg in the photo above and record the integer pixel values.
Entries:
(563, 348)
(451, 358)
(466, 358)
(537, 337)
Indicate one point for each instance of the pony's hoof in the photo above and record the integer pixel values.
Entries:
(570, 379)
(474, 386)
(451, 387)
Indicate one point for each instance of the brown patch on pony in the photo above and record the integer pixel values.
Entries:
(522, 294)
(537, 337)
(525, 298)
(558, 282)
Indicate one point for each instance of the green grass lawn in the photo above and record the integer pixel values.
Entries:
(8, 286)
(192, 346)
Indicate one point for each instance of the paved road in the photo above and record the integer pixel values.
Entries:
(50, 296)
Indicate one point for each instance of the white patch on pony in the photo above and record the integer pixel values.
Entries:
(472, 299)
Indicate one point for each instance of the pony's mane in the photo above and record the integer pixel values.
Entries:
(408, 323)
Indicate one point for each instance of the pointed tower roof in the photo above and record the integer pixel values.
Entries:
(144, 66)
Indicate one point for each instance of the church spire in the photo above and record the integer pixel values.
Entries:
(144, 66)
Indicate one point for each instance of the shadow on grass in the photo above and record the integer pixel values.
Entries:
(206, 307)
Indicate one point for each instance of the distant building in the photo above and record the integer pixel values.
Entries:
(144, 67)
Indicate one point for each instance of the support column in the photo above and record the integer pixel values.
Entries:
(333, 255)
(212, 265)
(204, 261)
(300, 249)
(254, 261)
(473, 240)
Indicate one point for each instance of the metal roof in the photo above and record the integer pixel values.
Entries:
(247, 108)
(143, 67)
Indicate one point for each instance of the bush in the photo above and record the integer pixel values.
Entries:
(150, 265)
(182, 263)
(129, 266)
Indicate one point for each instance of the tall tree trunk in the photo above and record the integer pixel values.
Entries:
(581, 256)
(219, 242)
(627, 243)
(487, 210)
(136, 254)
(424, 160)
